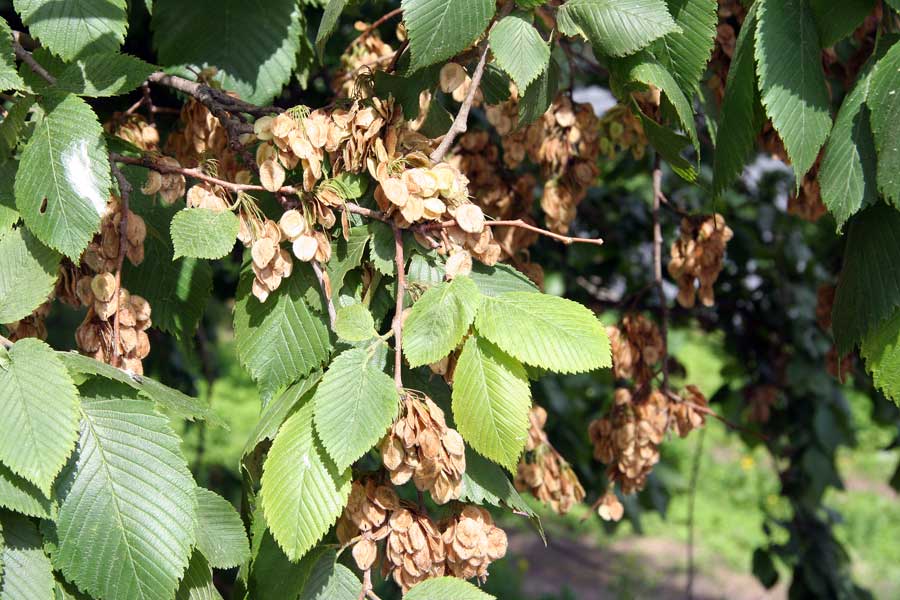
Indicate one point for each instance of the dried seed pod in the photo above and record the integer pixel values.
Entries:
(271, 175)
(610, 509)
(472, 543)
(421, 447)
(452, 76)
(305, 247)
(293, 224)
(414, 549)
(103, 287)
(470, 218)
(698, 256)
(544, 472)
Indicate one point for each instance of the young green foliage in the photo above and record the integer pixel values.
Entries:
(439, 320)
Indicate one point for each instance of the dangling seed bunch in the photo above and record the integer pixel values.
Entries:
(544, 472)
(95, 336)
(135, 130)
(414, 549)
(479, 160)
(420, 446)
(371, 54)
(627, 440)
(32, 326)
(687, 415)
(636, 347)
(472, 543)
(203, 136)
(698, 255)
(171, 186)
(564, 142)
(621, 131)
(102, 254)
(609, 508)
(761, 399)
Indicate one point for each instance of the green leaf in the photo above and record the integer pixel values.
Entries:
(355, 404)
(197, 583)
(165, 397)
(9, 216)
(104, 75)
(643, 69)
(446, 587)
(669, 145)
(491, 400)
(62, 184)
(742, 115)
(28, 272)
(282, 340)
(220, 533)
(617, 27)
(330, 580)
(848, 172)
(303, 493)
(277, 410)
(9, 74)
(11, 129)
(685, 53)
(130, 491)
(329, 23)
(499, 279)
(38, 412)
(272, 574)
(439, 320)
(22, 496)
(837, 20)
(347, 256)
(74, 28)
(350, 186)
(203, 233)
(792, 83)
(881, 351)
(545, 331)
(176, 289)
(354, 323)
(27, 573)
(439, 29)
(494, 85)
(486, 483)
(868, 289)
(253, 43)
(885, 108)
(382, 251)
(538, 96)
(519, 49)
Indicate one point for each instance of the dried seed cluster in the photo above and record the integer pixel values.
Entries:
(621, 132)
(102, 253)
(270, 262)
(32, 326)
(698, 255)
(95, 336)
(627, 439)
(135, 130)
(636, 347)
(564, 142)
(415, 548)
(202, 137)
(609, 508)
(366, 56)
(170, 186)
(472, 543)
(544, 472)
(420, 446)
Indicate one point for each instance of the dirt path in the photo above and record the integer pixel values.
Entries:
(639, 567)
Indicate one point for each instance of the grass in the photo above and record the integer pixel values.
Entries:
(734, 485)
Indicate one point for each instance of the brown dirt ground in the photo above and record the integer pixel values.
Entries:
(638, 567)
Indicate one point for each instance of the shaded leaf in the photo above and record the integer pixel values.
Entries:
(354, 323)
(519, 49)
(881, 351)
(22, 496)
(27, 573)
(884, 105)
(685, 53)
(72, 28)
(203, 233)
(28, 272)
(104, 75)
(277, 411)
(617, 27)
(439, 29)
(538, 96)
(220, 533)
(446, 587)
(197, 583)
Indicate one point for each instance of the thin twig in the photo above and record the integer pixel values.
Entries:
(657, 270)
(565, 239)
(695, 474)
(124, 194)
(326, 291)
(368, 30)
(400, 264)
(26, 57)
(460, 123)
